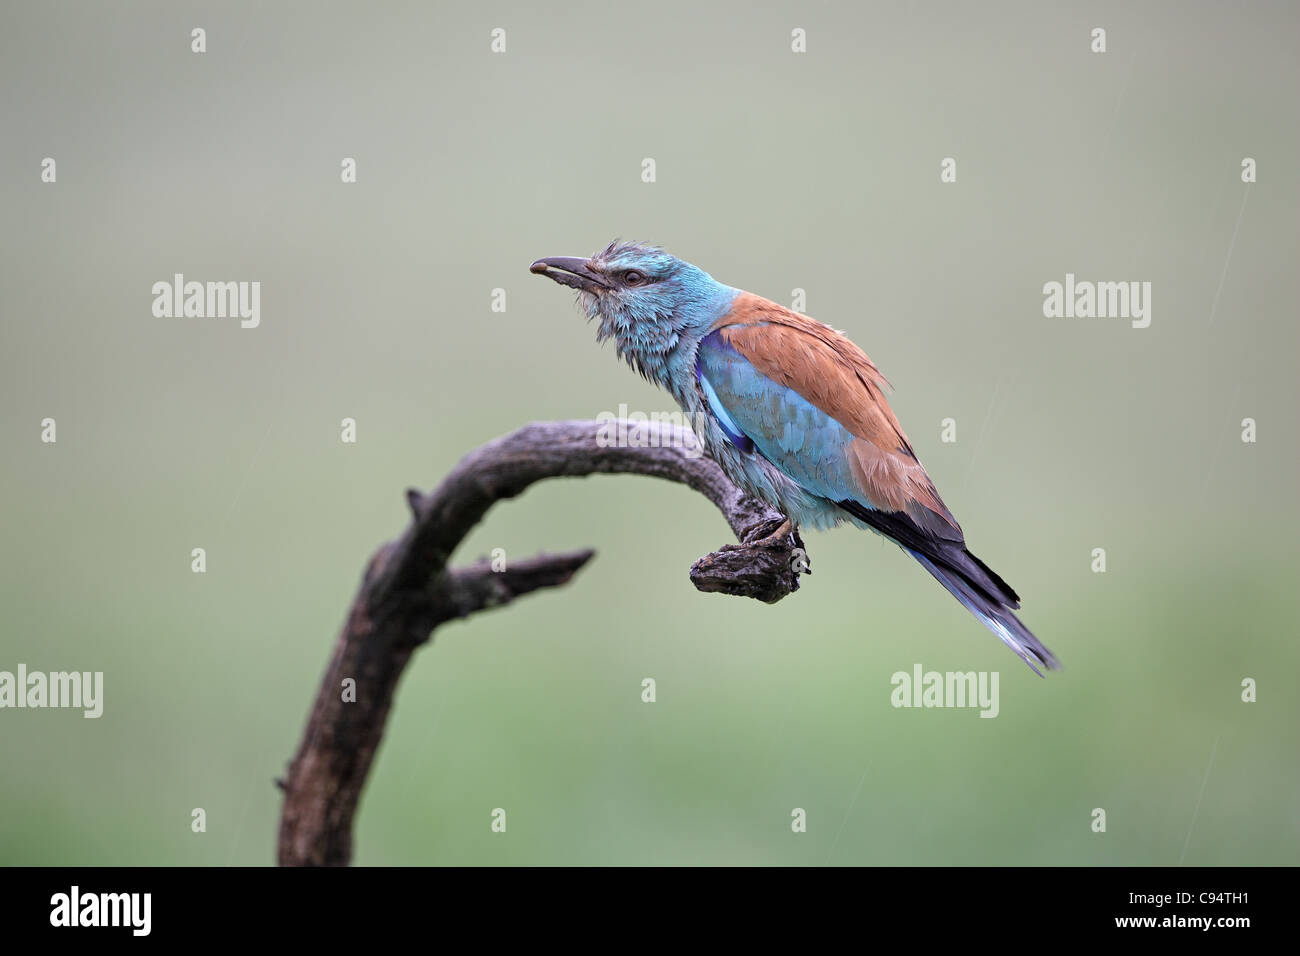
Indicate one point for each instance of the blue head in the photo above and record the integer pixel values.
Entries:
(650, 303)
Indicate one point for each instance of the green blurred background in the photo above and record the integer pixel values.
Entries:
(775, 171)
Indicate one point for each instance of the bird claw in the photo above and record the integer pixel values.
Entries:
(786, 537)
(776, 538)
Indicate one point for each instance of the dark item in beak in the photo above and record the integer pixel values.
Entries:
(571, 271)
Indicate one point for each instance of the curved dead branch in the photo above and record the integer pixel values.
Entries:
(408, 590)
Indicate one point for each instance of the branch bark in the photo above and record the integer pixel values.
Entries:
(408, 590)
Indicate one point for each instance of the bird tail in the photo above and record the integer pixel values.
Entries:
(976, 590)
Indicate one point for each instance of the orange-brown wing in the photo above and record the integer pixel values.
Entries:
(837, 377)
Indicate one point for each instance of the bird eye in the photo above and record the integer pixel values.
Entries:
(632, 277)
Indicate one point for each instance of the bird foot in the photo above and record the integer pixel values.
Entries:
(776, 538)
(780, 539)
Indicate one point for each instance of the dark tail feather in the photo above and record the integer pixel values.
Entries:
(967, 578)
(995, 615)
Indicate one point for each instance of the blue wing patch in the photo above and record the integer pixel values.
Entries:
(786, 429)
(729, 427)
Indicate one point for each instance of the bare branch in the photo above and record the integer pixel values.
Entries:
(408, 590)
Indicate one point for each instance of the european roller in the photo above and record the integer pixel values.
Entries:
(791, 410)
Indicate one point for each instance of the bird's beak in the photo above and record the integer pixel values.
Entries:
(571, 271)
